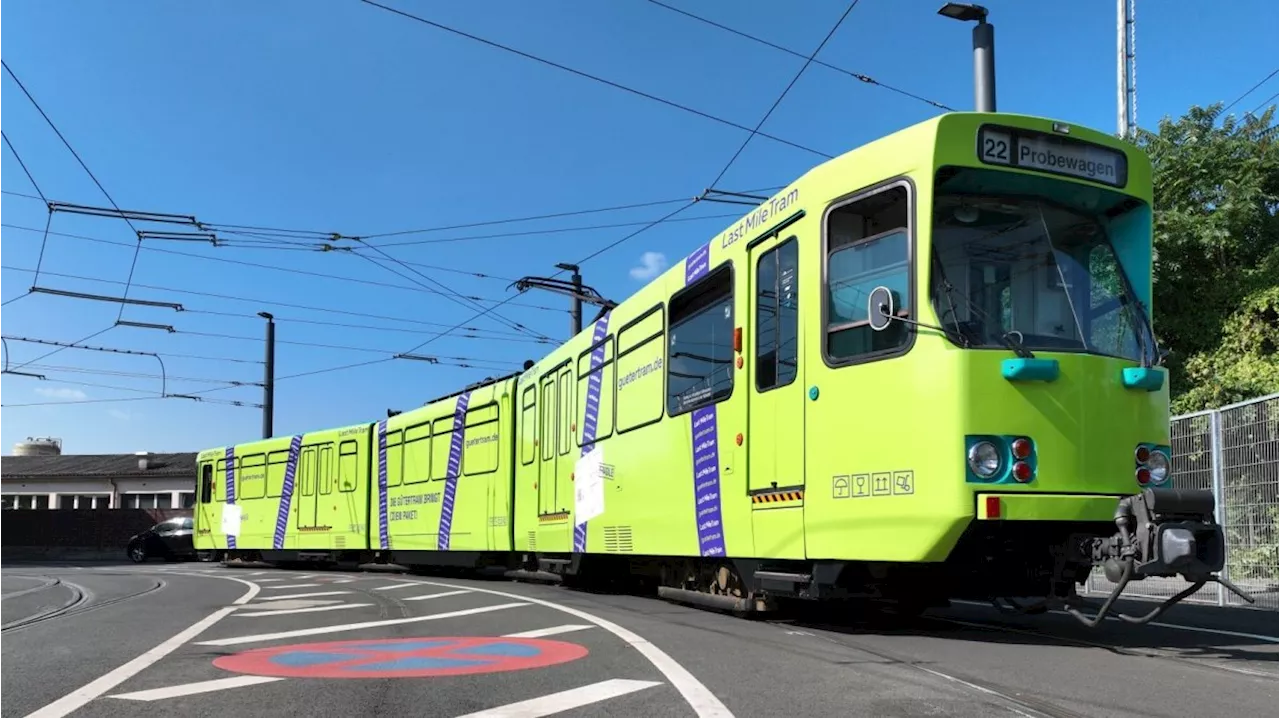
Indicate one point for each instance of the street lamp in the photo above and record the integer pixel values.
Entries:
(984, 52)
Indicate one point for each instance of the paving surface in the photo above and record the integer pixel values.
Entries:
(213, 641)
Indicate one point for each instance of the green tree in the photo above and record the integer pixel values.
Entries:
(1216, 262)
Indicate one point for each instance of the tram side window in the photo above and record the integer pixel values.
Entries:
(528, 424)
(348, 466)
(777, 320)
(253, 477)
(206, 484)
(868, 245)
(638, 397)
(700, 344)
(417, 453)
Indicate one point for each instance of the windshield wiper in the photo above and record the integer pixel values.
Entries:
(1142, 328)
(1015, 345)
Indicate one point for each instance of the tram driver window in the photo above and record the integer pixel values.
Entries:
(700, 343)
(868, 246)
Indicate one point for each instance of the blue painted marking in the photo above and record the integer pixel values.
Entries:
(313, 658)
(591, 414)
(286, 493)
(412, 662)
(503, 649)
(705, 443)
(383, 539)
(230, 458)
(452, 470)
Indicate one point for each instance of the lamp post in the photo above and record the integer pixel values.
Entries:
(984, 52)
(269, 377)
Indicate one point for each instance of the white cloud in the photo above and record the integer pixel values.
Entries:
(61, 393)
(651, 265)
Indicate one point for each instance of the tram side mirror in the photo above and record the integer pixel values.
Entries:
(880, 308)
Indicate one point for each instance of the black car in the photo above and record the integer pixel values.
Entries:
(171, 539)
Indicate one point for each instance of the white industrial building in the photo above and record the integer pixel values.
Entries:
(40, 476)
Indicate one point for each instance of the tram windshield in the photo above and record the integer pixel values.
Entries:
(1036, 266)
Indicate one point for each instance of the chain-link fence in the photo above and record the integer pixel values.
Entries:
(1233, 451)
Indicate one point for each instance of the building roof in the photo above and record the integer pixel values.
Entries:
(70, 466)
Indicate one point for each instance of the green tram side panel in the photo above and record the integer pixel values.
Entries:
(604, 391)
(448, 468)
(302, 492)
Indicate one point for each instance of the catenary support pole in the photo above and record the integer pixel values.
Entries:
(269, 378)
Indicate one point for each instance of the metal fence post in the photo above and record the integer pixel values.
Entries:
(1219, 490)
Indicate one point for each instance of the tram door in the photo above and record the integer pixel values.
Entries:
(305, 493)
(547, 446)
(205, 521)
(775, 413)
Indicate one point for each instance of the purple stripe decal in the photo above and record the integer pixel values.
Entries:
(452, 472)
(591, 414)
(384, 542)
(706, 449)
(286, 492)
(230, 457)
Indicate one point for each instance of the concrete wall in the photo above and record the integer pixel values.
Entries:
(29, 534)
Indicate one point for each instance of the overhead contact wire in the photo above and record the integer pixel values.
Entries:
(595, 78)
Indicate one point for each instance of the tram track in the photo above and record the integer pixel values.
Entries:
(1127, 651)
(82, 601)
(1020, 704)
(49, 582)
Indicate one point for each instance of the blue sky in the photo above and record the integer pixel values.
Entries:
(341, 117)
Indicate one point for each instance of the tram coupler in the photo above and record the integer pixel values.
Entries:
(1160, 532)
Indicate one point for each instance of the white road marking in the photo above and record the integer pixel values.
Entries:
(297, 585)
(267, 580)
(699, 697)
(565, 700)
(1174, 626)
(394, 586)
(312, 609)
(436, 595)
(355, 626)
(78, 698)
(300, 595)
(190, 689)
(552, 631)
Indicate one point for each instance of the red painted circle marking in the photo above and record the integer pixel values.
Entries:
(402, 657)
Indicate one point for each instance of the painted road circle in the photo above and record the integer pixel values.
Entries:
(402, 657)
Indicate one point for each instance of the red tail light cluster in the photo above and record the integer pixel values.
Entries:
(1022, 450)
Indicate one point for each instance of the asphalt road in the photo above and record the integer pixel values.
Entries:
(214, 641)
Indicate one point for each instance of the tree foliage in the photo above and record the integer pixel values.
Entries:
(1215, 287)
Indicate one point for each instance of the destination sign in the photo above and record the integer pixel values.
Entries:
(1040, 152)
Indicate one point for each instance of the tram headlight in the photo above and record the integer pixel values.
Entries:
(1158, 465)
(984, 459)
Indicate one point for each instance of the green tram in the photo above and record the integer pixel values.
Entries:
(924, 370)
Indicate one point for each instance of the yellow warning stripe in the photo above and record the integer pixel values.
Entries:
(554, 517)
(777, 497)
